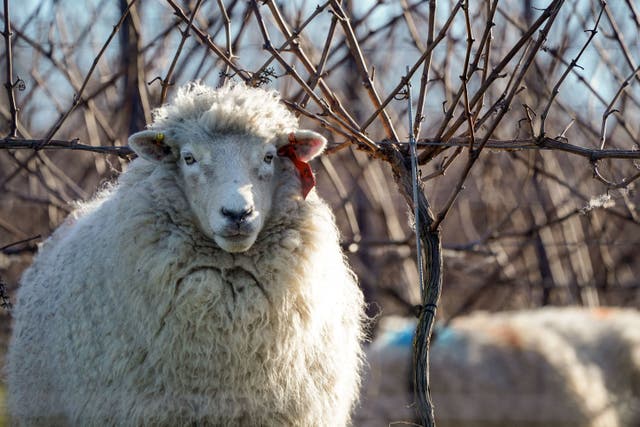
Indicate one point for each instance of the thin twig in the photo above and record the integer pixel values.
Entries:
(206, 40)
(424, 80)
(292, 72)
(334, 105)
(20, 242)
(634, 13)
(185, 35)
(403, 81)
(574, 63)
(617, 35)
(485, 45)
(9, 83)
(442, 168)
(474, 154)
(323, 60)
(291, 40)
(77, 99)
(354, 46)
(411, 25)
(496, 73)
(465, 79)
(344, 130)
(57, 144)
(624, 182)
(609, 110)
(227, 30)
(484, 41)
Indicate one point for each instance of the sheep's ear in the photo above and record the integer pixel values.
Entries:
(307, 144)
(301, 146)
(151, 145)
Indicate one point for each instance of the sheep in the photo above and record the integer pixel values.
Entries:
(546, 367)
(205, 287)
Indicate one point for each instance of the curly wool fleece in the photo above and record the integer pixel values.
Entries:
(129, 315)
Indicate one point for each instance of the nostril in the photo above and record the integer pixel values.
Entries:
(236, 216)
(246, 213)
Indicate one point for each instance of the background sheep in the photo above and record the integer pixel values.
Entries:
(201, 288)
(547, 367)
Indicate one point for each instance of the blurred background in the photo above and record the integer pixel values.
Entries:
(532, 225)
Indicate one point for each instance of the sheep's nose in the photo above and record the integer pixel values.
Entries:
(236, 216)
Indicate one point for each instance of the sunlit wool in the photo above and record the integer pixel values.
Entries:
(132, 314)
(550, 367)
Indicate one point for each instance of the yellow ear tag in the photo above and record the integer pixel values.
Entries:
(159, 138)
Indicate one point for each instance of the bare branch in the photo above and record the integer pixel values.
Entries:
(206, 40)
(405, 79)
(613, 185)
(227, 30)
(354, 46)
(56, 144)
(185, 35)
(9, 84)
(474, 154)
(610, 110)
(574, 63)
(78, 96)
(424, 80)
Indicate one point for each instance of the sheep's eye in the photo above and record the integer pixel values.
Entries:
(188, 158)
(268, 158)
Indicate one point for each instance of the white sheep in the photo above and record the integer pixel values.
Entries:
(547, 367)
(201, 289)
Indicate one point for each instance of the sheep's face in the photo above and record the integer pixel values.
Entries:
(229, 182)
(229, 188)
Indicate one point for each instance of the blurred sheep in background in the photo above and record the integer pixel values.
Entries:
(545, 367)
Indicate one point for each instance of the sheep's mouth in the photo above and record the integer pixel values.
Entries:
(236, 231)
(235, 236)
(235, 242)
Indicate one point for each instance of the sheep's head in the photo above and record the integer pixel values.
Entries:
(230, 179)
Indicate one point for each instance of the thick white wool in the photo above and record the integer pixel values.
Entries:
(548, 367)
(129, 315)
(230, 109)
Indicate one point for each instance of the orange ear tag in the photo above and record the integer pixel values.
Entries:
(307, 179)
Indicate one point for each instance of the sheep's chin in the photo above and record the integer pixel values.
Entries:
(235, 244)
